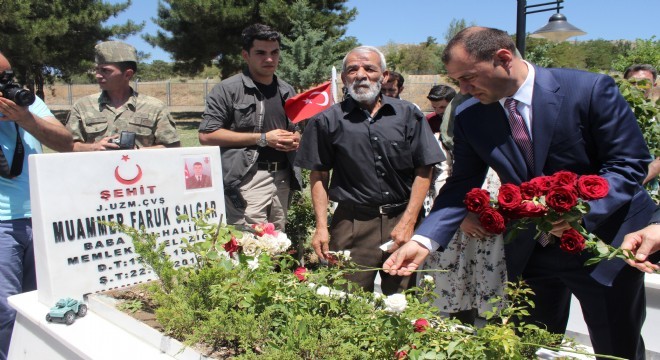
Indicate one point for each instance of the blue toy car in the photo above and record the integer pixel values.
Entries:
(66, 310)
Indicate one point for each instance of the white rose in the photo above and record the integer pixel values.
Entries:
(323, 290)
(346, 254)
(396, 303)
(253, 264)
(251, 249)
(428, 279)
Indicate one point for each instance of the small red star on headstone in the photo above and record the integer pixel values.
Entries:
(124, 157)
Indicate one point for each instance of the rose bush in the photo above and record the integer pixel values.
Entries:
(269, 307)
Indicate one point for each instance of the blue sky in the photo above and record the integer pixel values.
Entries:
(412, 21)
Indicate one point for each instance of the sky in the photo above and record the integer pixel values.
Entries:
(413, 21)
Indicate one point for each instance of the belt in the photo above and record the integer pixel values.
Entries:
(387, 209)
(272, 166)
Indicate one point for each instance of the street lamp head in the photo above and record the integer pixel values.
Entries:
(557, 29)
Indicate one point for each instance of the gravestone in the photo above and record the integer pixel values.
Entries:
(71, 193)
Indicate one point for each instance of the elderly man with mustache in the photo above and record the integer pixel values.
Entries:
(381, 151)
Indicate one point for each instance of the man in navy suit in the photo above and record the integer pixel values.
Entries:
(577, 121)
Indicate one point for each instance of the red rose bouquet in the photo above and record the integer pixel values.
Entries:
(543, 201)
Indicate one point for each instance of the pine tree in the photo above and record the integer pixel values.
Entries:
(309, 53)
(199, 33)
(55, 38)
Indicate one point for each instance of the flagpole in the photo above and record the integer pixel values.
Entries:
(334, 85)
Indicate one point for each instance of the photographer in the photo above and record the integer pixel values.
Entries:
(22, 130)
(96, 121)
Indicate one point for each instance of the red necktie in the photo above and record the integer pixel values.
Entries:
(524, 142)
(520, 133)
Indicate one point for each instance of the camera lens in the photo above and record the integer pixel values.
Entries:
(20, 96)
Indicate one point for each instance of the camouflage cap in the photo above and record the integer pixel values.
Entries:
(114, 52)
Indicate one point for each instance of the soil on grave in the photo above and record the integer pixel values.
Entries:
(147, 316)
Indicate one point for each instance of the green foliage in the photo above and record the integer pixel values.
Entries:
(309, 52)
(599, 54)
(568, 55)
(647, 113)
(455, 26)
(537, 51)
(267, 312)
(641, 52)
(131, 306)
(151, 253)
(156, 71)
(45, 40)
(199, 32)
(300, 223)
(415, 59)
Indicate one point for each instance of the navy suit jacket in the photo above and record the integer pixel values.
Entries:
(581, 123)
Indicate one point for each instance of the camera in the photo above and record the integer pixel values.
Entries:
(13, 91)
(126, 140)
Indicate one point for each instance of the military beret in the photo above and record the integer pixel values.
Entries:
(114, 52)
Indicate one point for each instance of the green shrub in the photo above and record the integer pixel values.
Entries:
(258, 307)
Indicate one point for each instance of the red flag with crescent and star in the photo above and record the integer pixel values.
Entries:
(311, 102)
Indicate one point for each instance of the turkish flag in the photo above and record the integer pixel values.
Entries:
(311, 102)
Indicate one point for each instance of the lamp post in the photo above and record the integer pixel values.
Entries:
(557, 29)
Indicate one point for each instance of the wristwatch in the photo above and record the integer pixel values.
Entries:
(262, 140)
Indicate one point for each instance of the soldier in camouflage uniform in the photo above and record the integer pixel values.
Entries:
(97, 119)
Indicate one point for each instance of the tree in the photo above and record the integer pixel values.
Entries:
(599, 54)
(199, 32)
(641, 52)
(420, 59)
(538, 51)
(56, 38)
(455, 26)
(567, 55)
(157, 70)
(309, 53)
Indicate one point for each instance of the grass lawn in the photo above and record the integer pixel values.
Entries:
(187, 123)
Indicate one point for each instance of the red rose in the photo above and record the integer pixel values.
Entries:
(543, 183)
(592, 187)
(564, 178)
(572, 241)
(509, 197)
(421, 325)
(528, 209)
(529, 190)
(492, 221)
(231, 246)
(301, 273)
(265, 228)
(477, 200)
(561, 198)
(401, 354)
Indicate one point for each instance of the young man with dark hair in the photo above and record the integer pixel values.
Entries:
(393, 87)
(641, 71)
(439, 96)
(646, 72)
(245, 116)
(96, 120)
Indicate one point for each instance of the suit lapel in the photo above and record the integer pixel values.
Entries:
(546, 103)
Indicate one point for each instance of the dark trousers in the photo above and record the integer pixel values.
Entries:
(362, 232)
(614, 315)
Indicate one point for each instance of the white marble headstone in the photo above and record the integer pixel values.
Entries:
(74, 254)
